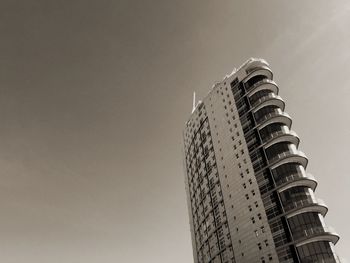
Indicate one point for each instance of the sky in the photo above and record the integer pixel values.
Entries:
(94, 96)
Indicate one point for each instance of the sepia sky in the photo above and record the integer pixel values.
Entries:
(94, 96)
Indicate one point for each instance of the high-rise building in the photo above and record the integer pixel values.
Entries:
(249, 196)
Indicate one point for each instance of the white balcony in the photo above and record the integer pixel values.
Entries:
(275, 117)
(298, 179)
(307, 205)
(291, 156)
(268, 100)
(315, 234)
(281, 136)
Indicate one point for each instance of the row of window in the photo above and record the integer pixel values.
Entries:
(195, 122)
(209, 216)
(240, 155)
(258, 160)
(317, 252)
(250, 193)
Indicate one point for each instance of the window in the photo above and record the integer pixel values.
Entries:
(316, 252)
(266, 243)
(304, 221)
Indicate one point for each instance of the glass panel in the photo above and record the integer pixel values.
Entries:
(249, 84)
(317, 252)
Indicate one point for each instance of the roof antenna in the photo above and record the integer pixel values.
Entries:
(194, 101)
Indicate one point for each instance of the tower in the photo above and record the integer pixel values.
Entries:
(249, 196)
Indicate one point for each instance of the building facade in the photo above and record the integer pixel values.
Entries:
(249, 196)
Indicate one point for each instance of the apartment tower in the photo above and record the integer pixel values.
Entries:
(249, 196)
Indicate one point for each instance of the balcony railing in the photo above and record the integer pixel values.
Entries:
(254, 63)
(274, 114)
(262, 82)
(289, 153)
(273, 135)
(268, 116)
(276, 134)
(281, 155)
(304, 203)
(265, 98)
(316, 231)
(329, 259)
(294, 177)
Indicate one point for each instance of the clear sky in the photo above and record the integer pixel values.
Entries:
(94, 96)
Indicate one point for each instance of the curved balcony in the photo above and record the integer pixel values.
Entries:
(257, 68)
(324, 260)
(254, 62)
(315, 234)
(328, 257)
(267, 100)
(281, 136)
(265, 84)
(307, 205)
(292, 156)
(298, 179)
(275, 117)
